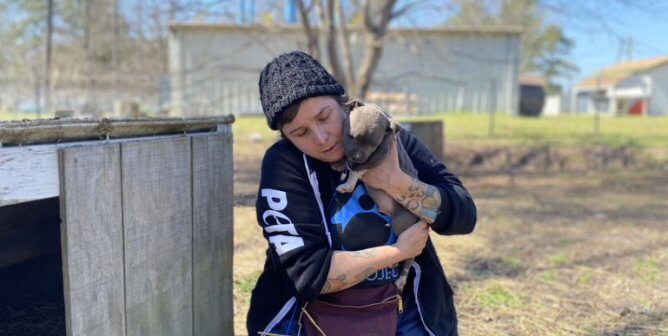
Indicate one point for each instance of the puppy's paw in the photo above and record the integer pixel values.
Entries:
(401, 282)
(339, 166)
(345, 188)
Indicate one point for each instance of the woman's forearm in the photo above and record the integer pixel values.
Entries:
(422, 199)
(349, 268)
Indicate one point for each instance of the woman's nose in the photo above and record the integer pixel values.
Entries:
(320, 136)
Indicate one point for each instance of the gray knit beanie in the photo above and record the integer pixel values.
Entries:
(290, 78)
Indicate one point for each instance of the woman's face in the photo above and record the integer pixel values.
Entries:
(317, 129)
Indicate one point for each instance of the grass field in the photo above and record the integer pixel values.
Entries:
(563, 130)
(7, 115)
(553, 254)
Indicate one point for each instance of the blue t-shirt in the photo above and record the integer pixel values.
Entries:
(357, 224)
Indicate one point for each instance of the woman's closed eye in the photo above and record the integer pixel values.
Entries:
(323, 117)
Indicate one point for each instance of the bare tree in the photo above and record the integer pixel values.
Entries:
(334, 28)
(310, 32)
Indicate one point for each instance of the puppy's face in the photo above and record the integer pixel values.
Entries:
(364, 131)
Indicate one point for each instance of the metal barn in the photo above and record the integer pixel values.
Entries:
(215, 68)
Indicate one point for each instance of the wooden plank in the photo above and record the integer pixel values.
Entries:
(63, 130)
(212, 234)
(92, 240)
(29, 230)
(28, 173)
(157, 213)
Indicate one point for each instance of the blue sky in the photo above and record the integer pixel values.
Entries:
(596, 50)
(596, 39)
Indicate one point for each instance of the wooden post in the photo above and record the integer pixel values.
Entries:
(430, 133)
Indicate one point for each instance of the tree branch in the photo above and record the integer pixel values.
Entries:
(375, 33)
(330, 38)
(311, 36)
(403, 10)
(345, 45)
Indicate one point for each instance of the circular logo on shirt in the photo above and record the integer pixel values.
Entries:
(358, 222)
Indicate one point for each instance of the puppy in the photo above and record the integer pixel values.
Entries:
(367, 140)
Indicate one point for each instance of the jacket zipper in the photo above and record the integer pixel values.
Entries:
(416, 284)
(279, 316)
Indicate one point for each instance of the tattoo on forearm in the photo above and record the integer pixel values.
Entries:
(335, 284)
(422, 199)
(326, 287)
(364, 274)
(367, 254)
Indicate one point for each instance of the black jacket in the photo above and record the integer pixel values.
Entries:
(292, 194)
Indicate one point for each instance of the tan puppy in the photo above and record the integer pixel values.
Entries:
(367, 137)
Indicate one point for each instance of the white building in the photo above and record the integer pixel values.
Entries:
(215, 68)
(631, 88)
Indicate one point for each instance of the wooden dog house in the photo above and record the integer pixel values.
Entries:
(141, 217)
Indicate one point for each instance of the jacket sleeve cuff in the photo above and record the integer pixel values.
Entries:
(310, 290)
(454, 218)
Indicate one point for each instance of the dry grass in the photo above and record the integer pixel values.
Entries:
(560, 254)
(563, 255)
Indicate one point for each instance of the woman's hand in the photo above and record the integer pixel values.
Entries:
(412, 241)
(384, 175)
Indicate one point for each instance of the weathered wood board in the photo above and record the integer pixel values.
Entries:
(28, 173)
(157, 217)
(212, 235)
(430, 133)
(92, 240)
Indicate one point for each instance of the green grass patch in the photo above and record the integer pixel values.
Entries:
(243, 127)
(557, 260)
(585, 278)
(512, 262)
(647, 269)
(6, 115)
(496, 295)
(568, 241)
(513, 130)
(548, 276)
(246, 284)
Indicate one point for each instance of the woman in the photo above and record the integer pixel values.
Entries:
(317, 244)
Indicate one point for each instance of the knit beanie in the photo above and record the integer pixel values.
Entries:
(290, 78)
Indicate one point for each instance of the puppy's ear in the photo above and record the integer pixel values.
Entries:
(393, 126)
(354, 103)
